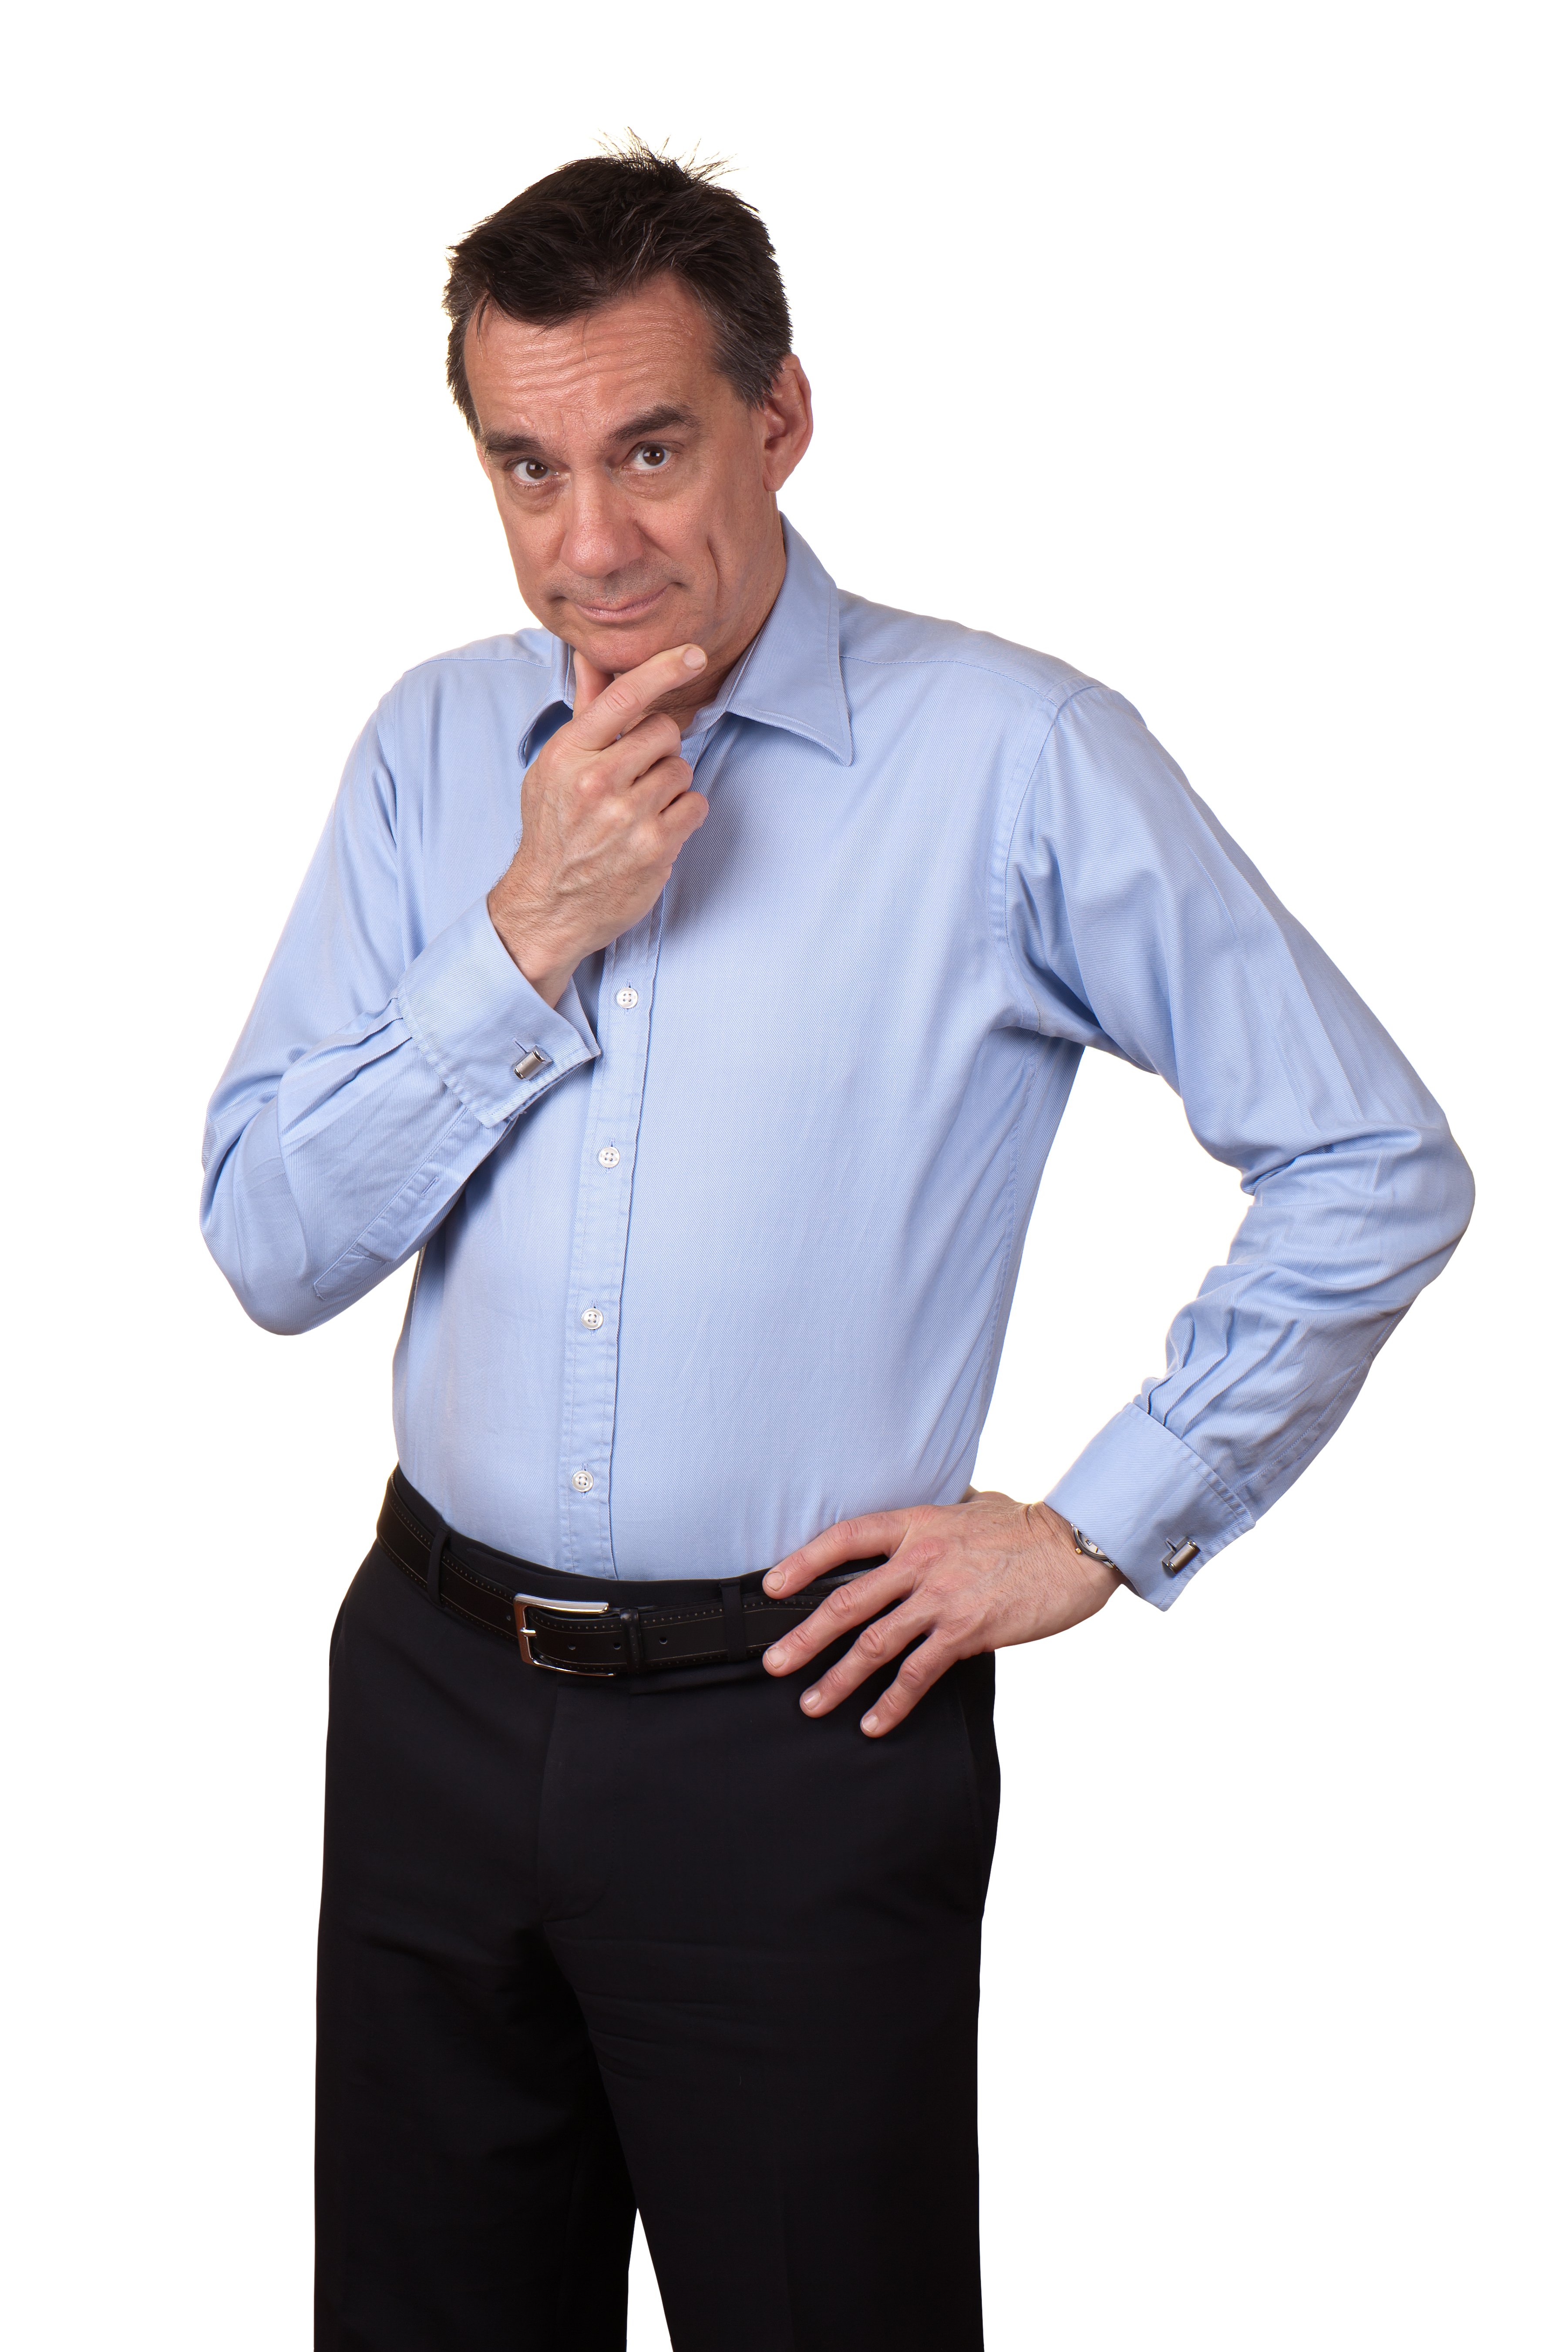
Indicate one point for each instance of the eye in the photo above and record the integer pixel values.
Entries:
(650, 458)
(531, 469)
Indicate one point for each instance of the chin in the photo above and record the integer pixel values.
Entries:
(622, 649)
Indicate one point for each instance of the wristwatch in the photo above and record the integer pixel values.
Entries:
(1080, 1542)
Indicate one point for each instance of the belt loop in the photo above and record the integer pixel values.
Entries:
(734, 1624)
(433, 1573)
(631, 1622)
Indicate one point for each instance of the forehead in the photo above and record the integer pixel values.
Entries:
(649, 349)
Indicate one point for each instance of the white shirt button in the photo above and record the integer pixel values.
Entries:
(591, 1318)
(625, 998)
(609, 1157)
(583, 1480)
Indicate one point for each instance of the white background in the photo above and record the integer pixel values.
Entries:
(1206, 347)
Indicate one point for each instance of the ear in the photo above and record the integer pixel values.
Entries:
(783, 422)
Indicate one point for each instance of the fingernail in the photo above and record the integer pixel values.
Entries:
(867, 1723)
(694, 657)
(773, 1579)
(812, 1698)
(773, 1658)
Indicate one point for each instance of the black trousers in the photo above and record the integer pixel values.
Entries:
(590, 1949)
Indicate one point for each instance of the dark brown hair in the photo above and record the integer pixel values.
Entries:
(603, 227)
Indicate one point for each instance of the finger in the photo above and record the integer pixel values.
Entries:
(664, 833)
(680, 818)
(659, 786)
(922, 1667)
(848, 1605)
(878, 1647)
(618, 765)
(626, 698)
(862, 1538)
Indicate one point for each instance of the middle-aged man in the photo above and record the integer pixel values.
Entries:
(713, 1101)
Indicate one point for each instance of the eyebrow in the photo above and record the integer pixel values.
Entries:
(634, 428)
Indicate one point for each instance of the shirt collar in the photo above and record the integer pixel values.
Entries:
(791, 678)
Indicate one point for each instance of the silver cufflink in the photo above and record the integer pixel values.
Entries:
(1178, 1555)
(531, 1065)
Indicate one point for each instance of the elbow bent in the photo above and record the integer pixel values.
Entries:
(1456, 1188)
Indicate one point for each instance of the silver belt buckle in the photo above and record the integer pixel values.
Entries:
(521, 1602)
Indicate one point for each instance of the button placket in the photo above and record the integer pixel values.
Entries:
(599, 1248)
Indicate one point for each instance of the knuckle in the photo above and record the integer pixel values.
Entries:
(840, 1602)
(873, 1642)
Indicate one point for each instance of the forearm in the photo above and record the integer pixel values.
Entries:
(1264, 1364)
(325, 1169)
(305, 1218)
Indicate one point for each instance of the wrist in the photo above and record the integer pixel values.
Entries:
(1094, 1567)
(1089, 1550)
(542, 961)
(1080, 1578)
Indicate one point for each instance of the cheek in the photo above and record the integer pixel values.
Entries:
(738, 512)
(718, 513)
(679, 531)
(526, 541)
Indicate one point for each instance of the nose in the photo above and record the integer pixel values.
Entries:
(601, 535)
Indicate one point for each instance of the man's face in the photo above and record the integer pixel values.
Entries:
(635, 488)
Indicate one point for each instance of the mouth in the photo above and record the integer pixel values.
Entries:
(631, 608)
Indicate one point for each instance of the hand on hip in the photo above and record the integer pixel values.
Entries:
(960, 1578)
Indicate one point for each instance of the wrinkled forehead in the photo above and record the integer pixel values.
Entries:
(649, 349)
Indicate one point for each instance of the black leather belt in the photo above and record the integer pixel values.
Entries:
(701, 1623)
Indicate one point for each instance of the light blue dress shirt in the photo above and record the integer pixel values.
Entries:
(721, 1249)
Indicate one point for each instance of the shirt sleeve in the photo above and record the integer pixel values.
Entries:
(377, 1070)
(1139, 928)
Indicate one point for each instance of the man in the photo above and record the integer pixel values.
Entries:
(661, 1787)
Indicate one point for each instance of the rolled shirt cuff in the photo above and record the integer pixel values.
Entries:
(1141, 1494)
(489, 1035)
